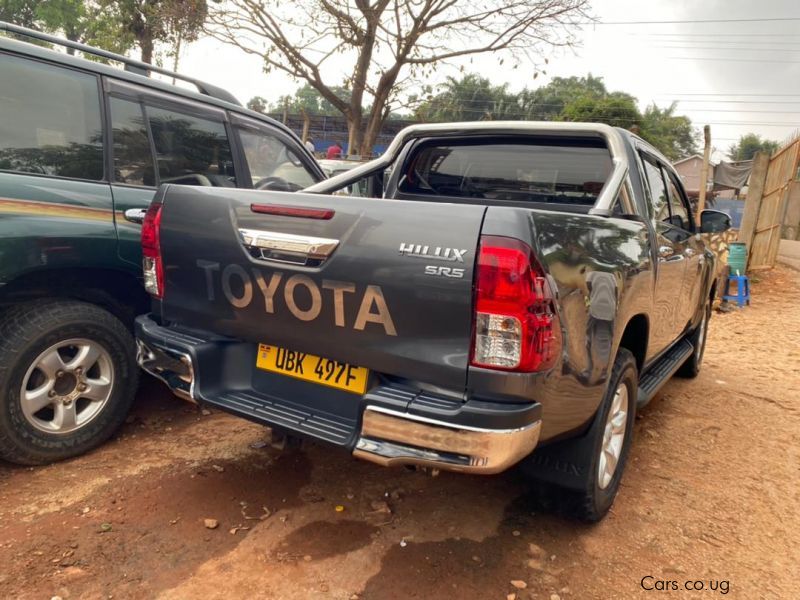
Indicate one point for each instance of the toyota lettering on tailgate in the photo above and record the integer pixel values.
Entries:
(372, 307)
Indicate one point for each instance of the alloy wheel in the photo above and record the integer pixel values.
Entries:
(67, 386)
(613, 437)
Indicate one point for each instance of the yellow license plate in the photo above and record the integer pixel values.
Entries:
(312, 368)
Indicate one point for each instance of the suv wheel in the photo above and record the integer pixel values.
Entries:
(611, 435)
(581, 476)
(68, 376)
(691, 368)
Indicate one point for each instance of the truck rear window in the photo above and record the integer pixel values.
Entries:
(547, 171)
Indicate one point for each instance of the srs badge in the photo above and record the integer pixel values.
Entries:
(444, 272)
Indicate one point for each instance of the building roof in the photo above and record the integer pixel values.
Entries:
(683, 160)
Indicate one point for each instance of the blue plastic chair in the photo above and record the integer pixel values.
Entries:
(742, 295)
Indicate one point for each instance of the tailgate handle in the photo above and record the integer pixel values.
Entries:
(290, 248)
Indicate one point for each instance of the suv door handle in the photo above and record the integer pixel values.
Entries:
(135, 215)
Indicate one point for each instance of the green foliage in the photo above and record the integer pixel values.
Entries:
(149, 22)
(258, 104)
(20, 12)
(587, 99)
(471, 98)
(548, 102)
(81, 21)
(616, 109)
(749, 144)
(672, 134)
(308, 99)
(85, 22)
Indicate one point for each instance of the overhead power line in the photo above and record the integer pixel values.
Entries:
(726, 94)
(468, 101)
(688, 21)
(756, 60)
(688, 40)
(733, 110)
(741, 101)
(706, 35)
(717, 49)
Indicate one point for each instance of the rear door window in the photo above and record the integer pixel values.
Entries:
(677, 206)
(133, 158)
(191, 150)
(509, 170)
(659, 199)
(49, 120)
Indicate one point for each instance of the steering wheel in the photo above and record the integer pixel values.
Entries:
(277, 184)
(470, 189)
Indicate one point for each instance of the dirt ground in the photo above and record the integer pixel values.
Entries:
(712, 494)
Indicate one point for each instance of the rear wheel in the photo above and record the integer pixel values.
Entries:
(68, 376)
(691, 368)
(581, 476)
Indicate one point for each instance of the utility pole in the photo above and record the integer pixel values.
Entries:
(285, 110)
(701, 202)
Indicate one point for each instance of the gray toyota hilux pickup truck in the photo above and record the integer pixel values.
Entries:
(505, 293)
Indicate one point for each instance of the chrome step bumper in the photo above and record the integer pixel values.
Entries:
(395, 426)
(392, 438)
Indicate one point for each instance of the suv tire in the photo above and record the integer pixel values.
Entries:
(698, 337)
(68, 376)
(576, 476)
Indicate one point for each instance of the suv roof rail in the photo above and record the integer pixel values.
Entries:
(131, 65)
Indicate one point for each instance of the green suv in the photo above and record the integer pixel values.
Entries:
(83, 147)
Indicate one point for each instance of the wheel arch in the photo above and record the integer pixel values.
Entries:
(119, 292)
(635, 338)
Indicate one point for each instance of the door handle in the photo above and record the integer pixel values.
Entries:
(135, 215)
(666, 251)
(287, 247)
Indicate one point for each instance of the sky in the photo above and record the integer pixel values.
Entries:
(737, 77)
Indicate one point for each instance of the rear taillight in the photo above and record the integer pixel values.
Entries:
(152, 265)
(516, 324)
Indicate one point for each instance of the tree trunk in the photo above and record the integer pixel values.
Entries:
(146, 43)
(355, 135)
(374, 126)
(378, 113)
(176, 59)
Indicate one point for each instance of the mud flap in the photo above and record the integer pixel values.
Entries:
(566, 464)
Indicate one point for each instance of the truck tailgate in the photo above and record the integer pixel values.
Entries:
(381, 284)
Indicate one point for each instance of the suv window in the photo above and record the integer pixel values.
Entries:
(680, 216)
(191, 150)
(557, 171)
(658, 192)
(133, 159)
(272, 165)
(50, 121)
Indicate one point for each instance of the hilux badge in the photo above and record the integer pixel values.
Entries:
(432, 252)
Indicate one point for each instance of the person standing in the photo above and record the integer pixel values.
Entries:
(334, 151)
(310, 145)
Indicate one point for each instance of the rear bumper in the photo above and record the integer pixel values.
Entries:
(389, 438)
(394, 426)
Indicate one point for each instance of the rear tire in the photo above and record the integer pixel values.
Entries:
(698, 337)
(576, 477)
(68, 376)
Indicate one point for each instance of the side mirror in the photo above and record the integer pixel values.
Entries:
(714, 221)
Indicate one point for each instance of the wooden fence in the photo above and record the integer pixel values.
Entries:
(772, 183)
